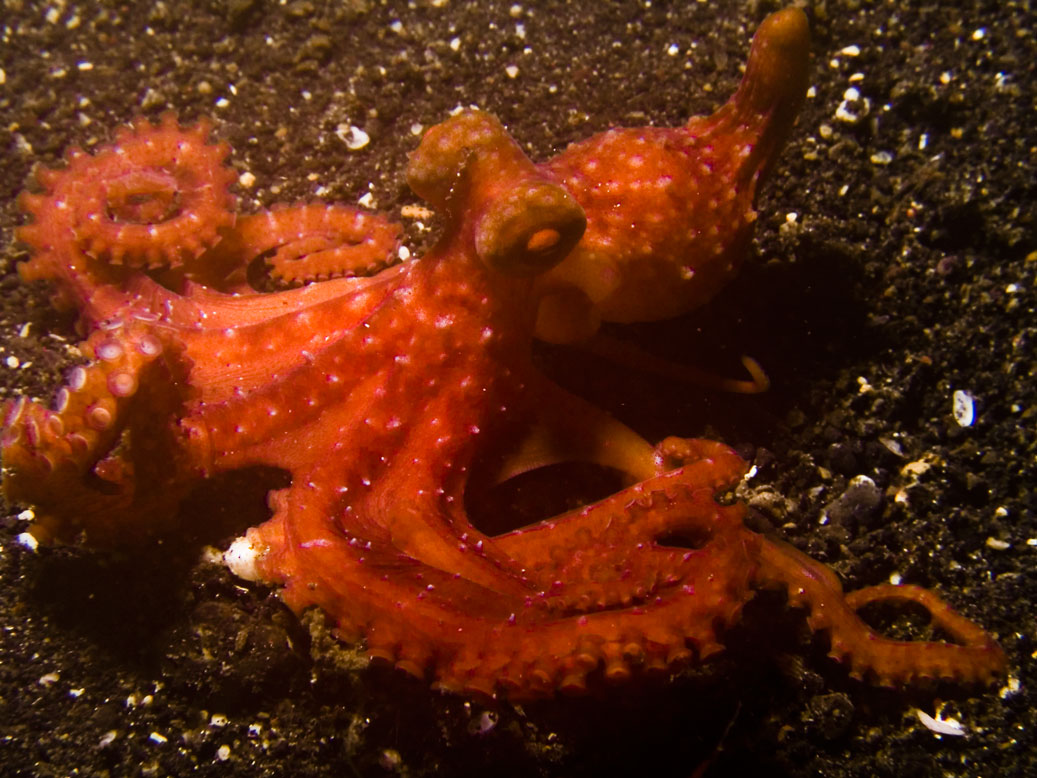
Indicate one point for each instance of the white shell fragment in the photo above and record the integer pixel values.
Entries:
(240, 558)
(941, 726)
(963, 408)
(354, 137)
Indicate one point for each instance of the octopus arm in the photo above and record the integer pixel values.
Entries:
(156, 197)
(566, 428)
(317, 241)
(108, 452)
(763, 110)
(974, 657)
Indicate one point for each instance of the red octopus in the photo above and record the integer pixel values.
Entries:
(379, 395)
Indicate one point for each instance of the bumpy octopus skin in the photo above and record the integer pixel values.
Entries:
(379, 395)
(670, 211)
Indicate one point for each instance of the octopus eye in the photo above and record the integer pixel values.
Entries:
(529, 229)
(524, 223)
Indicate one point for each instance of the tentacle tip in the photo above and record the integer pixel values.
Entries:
(759, 381)
(776, 75)
(788, 29)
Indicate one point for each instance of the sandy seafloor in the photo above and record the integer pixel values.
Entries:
(894, 265)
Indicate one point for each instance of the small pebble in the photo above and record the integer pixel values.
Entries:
(963, 408)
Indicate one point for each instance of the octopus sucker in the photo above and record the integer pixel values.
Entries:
(380, 393)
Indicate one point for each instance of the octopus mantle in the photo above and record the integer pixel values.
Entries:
(380, 393)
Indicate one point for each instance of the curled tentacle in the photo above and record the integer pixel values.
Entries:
(975, 656)
(310, 242)
(156, 197)
(102, 454)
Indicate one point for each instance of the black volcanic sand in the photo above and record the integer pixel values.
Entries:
(894, 265)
